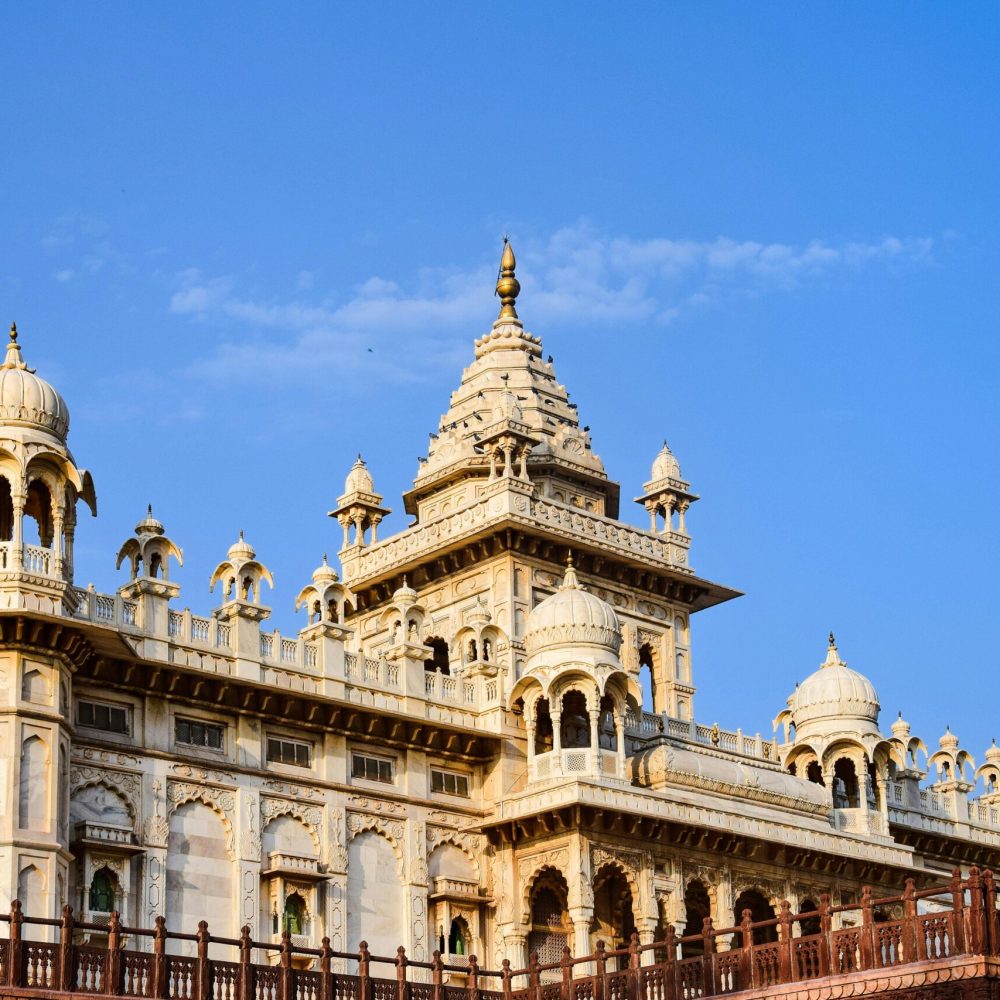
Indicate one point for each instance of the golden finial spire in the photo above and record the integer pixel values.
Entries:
(508, 286)
(13, 330)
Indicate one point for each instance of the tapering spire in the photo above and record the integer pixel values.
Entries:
(508, 286)
(570, 581)
(14, 357)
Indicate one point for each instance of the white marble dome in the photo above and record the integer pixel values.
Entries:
(665, 465)
(27, 399)
(572, 616)
(359, 479)
(834, 691)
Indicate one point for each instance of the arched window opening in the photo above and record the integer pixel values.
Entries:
(845, 785)
(550, 921)
(809, 925)
(793, 768)
(102, 892)
(457, 937)
(246, 588)
(682, 710)
(543, 726)
(945, 771)
(155, 565)
(991, 783)
(814, 773)
(760, 910)
(613, 920)
(473, 651)
(6, 511)
(487, 649)
(647, 679)
(680, 665)
(438, 659)
(871, 787)
(696, 908)
(294, 917)
(575, 729)
(607, 735)
(38, 507)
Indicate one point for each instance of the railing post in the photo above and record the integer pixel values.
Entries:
(600, 970)
(67, 963)
(204, 991)
(287, 983)
(402, 991)
(326, 984)
(567, 974)
(161, 979)
(825, 935)
(113, 970)
(914, 942)
(473, 978)
(634, 963)
(867, 943)
(708, 958)
(15, 955)
(670, 964)
(533, 977)
(957, 912)
(990, 903)
(437, 976)
(505, 985)
(746, 952)
(246, 964)
(364, 976)
(977, 924)
(785, 942)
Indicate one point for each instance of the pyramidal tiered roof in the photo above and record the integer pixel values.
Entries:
(510, 380)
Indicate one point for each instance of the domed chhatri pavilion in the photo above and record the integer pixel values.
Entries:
(484, 739)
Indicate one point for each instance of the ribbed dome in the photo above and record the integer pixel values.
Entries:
(359, 479)
(665, 465)
(241, 550)
(27, 399)
(572, 616)
(834, 691)
(325, 573)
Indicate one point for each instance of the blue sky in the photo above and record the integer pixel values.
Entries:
(246, 242)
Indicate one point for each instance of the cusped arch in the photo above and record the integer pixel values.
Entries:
(273, 809)
(176, 799)
(460, 841)
(629, 874)
(362, 823)
(544, 866)
(103, 780)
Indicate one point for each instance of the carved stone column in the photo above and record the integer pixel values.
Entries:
(248, 905)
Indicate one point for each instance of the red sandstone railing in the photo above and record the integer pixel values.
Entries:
(752, 955)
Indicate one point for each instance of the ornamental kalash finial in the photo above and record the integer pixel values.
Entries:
(508, 286)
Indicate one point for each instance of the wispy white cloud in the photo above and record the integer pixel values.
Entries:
(575, 275)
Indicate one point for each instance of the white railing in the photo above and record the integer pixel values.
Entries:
(37, 560)
(295, 863)
(860, 821)
(455, 886)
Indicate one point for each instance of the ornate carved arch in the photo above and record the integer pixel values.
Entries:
(219, 800)
(556, 860)
(311, 817)
(391, 829)
(626, 862)
(128, 786)
(468, 843)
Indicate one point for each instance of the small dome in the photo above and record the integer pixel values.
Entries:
(149, 525)
(508, 408)
(901, 728)
(572, 616)
(949, 741)
(27, 399)
(665, 465)
(993, 753)
(359, 479)
(241, 551)
(835, 691)
(405, 595)
(325, 573)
